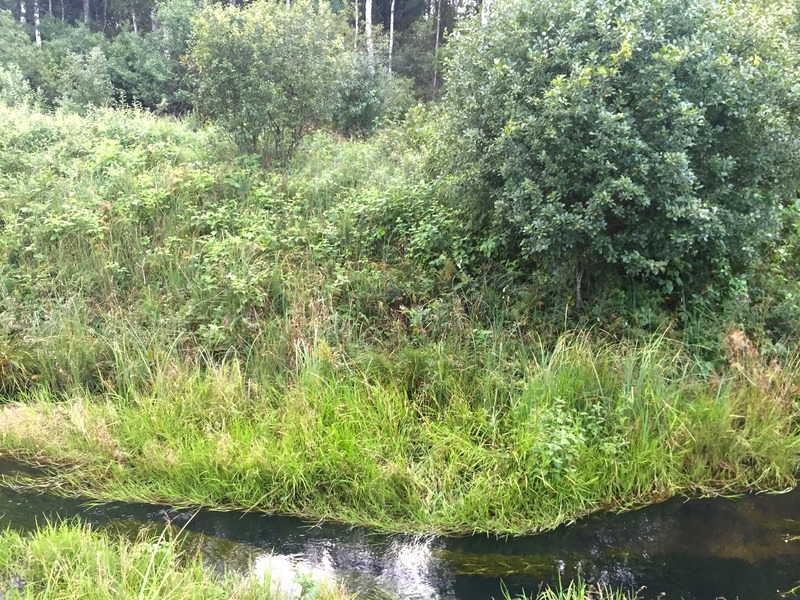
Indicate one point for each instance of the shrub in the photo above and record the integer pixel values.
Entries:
(86, 82)
(367, 94)
(267, 72)
(14, 88)
(655, 139)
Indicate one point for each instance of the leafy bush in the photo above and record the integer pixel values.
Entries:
(14, 43)
(655, 139)
(14, 88)
(267, 72)
(367, 93)
(150, 69)
(86, 82)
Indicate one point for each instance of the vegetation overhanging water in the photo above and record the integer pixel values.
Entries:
(564, 286)
(733, 548)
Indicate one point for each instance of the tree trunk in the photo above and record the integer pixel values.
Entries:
(368, 32)
(436, 45)
(37, 32)
(391, 35)
(355, 40)
(133, 20)
(86, 11)
(485, 10)
(22, 18)
(50, 7)
(63, 11)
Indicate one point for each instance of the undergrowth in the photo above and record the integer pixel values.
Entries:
(178, 324)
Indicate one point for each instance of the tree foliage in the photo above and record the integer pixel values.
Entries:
(267, 72)
(654, 138)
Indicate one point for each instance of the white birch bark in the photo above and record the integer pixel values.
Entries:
(37, 32)
(391, 35)
(368, 31)
(134, 22)
(22, 18)
(485, 10)
(436, 44)
(86, 11)
(355, 39)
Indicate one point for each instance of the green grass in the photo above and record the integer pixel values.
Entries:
(70, 560)
(427, 443)
(179, 325)
(577, 590)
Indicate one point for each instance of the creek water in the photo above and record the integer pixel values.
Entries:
(701, 549)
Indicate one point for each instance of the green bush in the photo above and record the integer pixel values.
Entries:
(86, 82)
(267, 72)
(368, 93)
(14, 88)
(655, 139)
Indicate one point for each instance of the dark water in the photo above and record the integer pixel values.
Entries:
(698, 550)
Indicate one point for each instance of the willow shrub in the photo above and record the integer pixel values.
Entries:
(650, 138)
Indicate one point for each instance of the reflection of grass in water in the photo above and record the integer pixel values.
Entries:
(217, 552)
(496, 565)
(577, 590)
(791, 527)
(71, 560)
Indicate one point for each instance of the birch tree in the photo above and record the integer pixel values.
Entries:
(357, 15)
(391, 34)
(368, 32)
(86, 11)
(436, 44)
(37, 33)
(486, 8)
(22, 18)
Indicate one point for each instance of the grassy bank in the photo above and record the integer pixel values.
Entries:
(178, 324)
(585, 427)
(72, 561)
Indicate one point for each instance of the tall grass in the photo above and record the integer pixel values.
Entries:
(69, 560)
(425, 441)
(577, 590)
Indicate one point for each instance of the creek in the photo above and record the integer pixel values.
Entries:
(700, 549)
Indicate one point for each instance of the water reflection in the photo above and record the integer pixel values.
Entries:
(698, 550)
